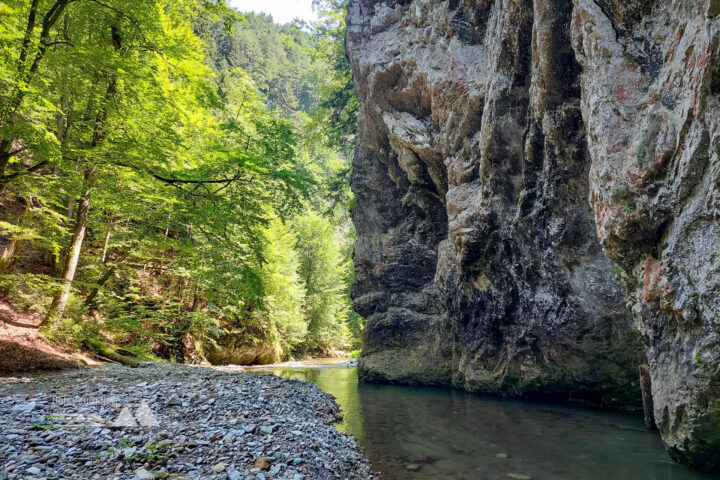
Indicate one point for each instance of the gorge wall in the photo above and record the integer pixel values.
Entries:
(538, 201)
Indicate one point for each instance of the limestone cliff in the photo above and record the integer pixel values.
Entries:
(507, 149)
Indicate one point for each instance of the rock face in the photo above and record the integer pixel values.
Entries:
(507, 149)
(651, 80)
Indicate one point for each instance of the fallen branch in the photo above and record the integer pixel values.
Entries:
(105, 359)
(107, 351)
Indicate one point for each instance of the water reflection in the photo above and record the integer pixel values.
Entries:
(426, 433)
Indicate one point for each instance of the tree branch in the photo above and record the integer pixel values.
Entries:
(8, 155)
(59, 42)
(28, 36)
(124, 15)
(51, 17)
(30, 170)
(181, 181)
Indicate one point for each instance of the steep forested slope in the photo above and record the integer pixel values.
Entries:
(169, 180)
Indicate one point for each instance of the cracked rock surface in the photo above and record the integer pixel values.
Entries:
(538, 204)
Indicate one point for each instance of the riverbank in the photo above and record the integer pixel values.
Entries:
(313, 363)
(171, 421)
(24, 349)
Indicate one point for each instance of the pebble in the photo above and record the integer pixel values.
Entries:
(263, 463)
(143, 474)
(232, 425)
(24, 407)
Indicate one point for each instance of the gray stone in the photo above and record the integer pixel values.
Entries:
(24, 407)
(143, 474)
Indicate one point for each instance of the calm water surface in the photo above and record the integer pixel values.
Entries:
(427, 433)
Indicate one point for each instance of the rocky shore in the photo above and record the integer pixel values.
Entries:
(174, 422)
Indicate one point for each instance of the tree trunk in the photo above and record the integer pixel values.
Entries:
(108, 273)
(7, 258)
(93, 293)
(5, 155)
(196, 298)
(106, 351)
(106, 244)
(57, 307)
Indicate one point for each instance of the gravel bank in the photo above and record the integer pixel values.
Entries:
(171, 421)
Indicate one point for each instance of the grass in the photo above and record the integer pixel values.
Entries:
(47, 424)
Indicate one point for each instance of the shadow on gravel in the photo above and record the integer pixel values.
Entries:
(19, 358)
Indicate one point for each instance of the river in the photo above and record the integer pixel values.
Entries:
(430, 433)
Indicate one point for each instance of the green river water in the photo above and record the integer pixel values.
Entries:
(430, 433)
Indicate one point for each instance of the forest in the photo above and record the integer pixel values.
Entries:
(360, 239)
(174, 178)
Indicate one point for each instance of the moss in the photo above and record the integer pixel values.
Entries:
(702, 364)
(618, 271)
(695, 297)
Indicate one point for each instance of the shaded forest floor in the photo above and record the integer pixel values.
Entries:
(23, 349)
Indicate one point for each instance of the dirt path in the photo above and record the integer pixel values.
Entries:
(23, 349)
